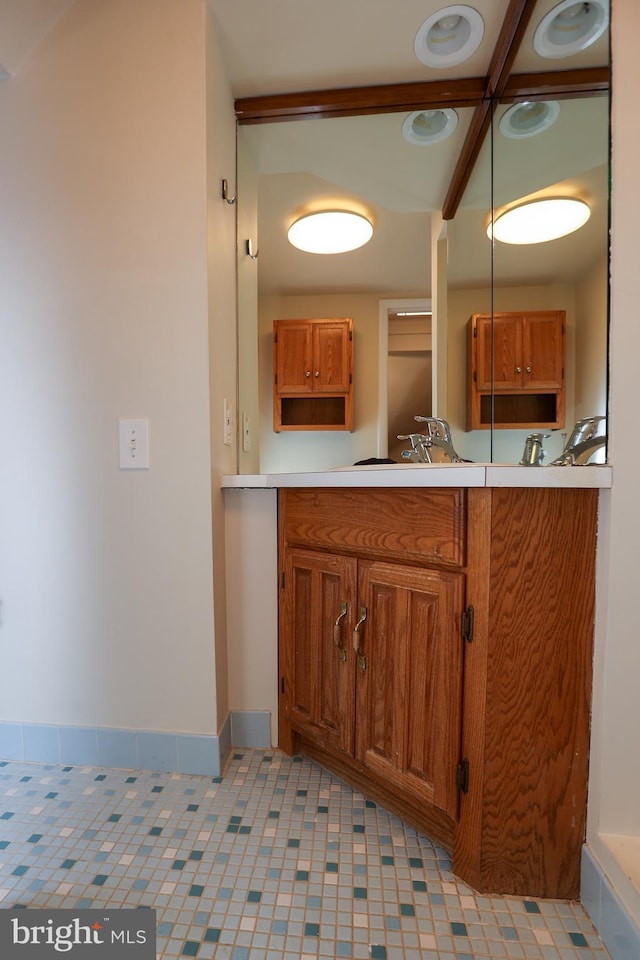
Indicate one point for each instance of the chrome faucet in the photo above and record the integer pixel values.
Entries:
(584, 441)
(533, 454)
(438, 434)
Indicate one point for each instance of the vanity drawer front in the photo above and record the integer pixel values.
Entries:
(400, 524)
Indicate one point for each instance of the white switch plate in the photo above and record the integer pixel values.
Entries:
(246, 433)
(228, 424)
(134, 444)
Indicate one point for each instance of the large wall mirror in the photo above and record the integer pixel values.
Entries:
(445, 270)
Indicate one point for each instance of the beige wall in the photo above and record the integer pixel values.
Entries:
(106, 575)
(220, 243)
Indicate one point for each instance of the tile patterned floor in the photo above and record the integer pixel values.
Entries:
(275, 860)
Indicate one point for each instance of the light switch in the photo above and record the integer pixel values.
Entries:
(134, 444)
(246, 433)
(228, 424)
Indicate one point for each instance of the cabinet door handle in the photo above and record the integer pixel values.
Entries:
(357, 649)
(307, 373)
(337, 631)
(528, 369)
(317, 373)
(518, 369)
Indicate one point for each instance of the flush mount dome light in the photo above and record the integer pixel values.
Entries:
(529, 118)
(449, 36)
(429, 126)
(538, 221)
(330, 231)
(571, 27)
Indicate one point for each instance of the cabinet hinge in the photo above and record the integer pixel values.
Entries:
(475, 331)
(350, 378)
(475, 376)
(281, 684)
(275, 379)
(275, 338)
(350, 334)
(462, 776)
(466, 625)
(282, 580)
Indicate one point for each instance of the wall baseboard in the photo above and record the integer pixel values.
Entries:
(199, 754)
(618, 931)
(251, 728)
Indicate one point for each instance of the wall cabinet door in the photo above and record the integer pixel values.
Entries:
(409, 680)
(293, 356)
(499, 352)
(331, 350)
(543, 350)
(316, 627)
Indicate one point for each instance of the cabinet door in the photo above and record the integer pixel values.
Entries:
(331, 356)
(543, 350)
(293, 357)
(499, 355)
(317, 660)
(409, 684)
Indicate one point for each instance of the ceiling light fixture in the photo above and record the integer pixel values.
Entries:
(537, 221)
(449, 36)
(428, 126)
(571, 27)
(330, 231)
(529, 118)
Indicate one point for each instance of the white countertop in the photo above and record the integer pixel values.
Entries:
(430, 475)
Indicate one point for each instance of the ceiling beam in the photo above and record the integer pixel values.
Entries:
(512, 31)
(405, 97)
(356, 101)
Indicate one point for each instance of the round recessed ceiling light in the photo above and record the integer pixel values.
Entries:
(538, 221)
(330, 231)
(571, 27)
(429, 126)
(529, 118)
(449, 36)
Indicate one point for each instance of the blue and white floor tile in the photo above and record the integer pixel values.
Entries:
(275, 860)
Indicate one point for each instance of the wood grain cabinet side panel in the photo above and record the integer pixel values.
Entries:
(539, 675)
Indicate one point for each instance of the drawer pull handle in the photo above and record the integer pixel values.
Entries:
(337, 632)
(357, 649)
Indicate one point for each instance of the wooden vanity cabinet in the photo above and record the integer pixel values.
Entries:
(435, 652)
(313, 374)
(516, 370)
(363, 640)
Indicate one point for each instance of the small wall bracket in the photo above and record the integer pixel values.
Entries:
(225, 193)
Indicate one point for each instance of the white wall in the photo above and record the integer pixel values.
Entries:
(223, 361)
(614, 789)
(252, 576)
(106, 576)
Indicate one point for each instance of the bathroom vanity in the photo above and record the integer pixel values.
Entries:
(435, 650)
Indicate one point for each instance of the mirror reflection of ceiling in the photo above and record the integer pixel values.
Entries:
(366, 161)
(23, 24)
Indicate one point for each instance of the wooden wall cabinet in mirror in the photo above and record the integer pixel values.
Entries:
(516, 370)
(313, 374)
